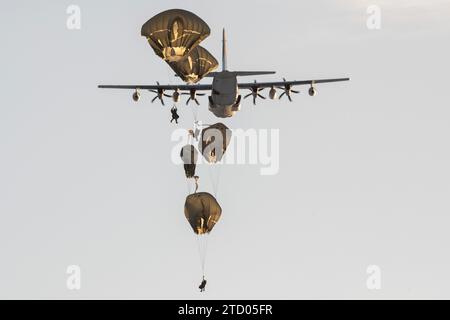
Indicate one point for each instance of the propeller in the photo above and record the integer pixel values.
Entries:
(255, 92)
(287, 90)
(159, 94)
(193, 96)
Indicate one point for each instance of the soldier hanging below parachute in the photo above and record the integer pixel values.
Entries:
(202, 212)
(189, 156)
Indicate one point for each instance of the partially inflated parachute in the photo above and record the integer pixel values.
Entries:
(214, 142)
(174, 33)
(202, 211)
(197, 64)
(189, 156)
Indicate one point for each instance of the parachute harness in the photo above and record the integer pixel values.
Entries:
(215, 178)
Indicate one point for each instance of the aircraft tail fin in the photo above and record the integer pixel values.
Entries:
(225, 66)
(224, 51)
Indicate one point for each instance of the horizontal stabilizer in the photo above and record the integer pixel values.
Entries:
(242, 73)
(252, 73)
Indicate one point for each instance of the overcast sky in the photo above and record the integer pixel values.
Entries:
(86, 177)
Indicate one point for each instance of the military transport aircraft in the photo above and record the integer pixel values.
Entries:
(225, 99)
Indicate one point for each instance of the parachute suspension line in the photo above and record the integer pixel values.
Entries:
(211, 176)
(215, 177)
(194, 109)
(169, 76)
(206, 250)
(218, 180)
(202, 242)
(188, 186)
(203, 253)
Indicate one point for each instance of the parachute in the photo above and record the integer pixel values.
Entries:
(189, 156)
(174, 33)
(202, 211)
(214, 142)
(197, 64)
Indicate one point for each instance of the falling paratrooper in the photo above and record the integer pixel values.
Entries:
(189, 155)
(202, 212)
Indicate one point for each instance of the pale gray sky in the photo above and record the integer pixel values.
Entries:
(86, 176)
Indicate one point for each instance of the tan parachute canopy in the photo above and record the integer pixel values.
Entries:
(174, 33)
(189, 156)
(197, 64)
(214, 142)
(202, 211)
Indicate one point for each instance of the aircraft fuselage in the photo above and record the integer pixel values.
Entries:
(225, 100)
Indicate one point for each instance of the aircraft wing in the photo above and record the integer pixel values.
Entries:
(180, 87)
(251, 85)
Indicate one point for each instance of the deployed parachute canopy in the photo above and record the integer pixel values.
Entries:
(202, 211)
(197, 64)
(189, 156)
(214, 142)
(174, 33)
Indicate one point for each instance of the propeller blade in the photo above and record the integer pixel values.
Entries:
(162, 102)
(262, 97)
(295, 91)
(289, 97)
(247, 95)
(187, 102)
(281, 95)
(201, 94)
(196, 101)
(153, 100)
(254, 100)
(167, 95)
